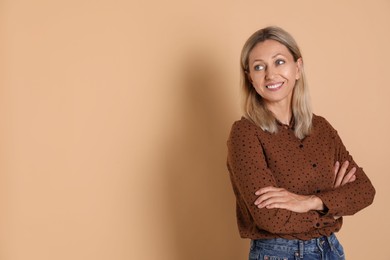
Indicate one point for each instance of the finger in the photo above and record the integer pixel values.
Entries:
(269, 195)
(336, 169)
(345, 166)
(348, 176)
(278, 205)
(267, 189)
(341, 174)
(273, 201)
(339, 177)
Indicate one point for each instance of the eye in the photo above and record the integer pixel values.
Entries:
(279, 62)
(259, 67)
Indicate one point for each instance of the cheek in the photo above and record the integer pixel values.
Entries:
(292, 74)
(256, 78)
(257, 84)
(258, 88)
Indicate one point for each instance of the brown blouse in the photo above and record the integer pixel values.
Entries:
(258, 159)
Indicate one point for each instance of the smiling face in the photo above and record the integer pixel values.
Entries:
(273, 72)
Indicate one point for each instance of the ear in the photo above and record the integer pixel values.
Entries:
(299, 64)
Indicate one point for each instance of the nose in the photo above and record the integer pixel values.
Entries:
(269, 72)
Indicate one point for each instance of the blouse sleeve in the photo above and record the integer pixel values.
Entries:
(249, 172)
(351, 197)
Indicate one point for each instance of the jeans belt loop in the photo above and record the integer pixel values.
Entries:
(301, 249)
(330, 244)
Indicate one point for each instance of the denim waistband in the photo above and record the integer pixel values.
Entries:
(299, 247)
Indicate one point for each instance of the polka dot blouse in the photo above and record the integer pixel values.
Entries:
(258, 159)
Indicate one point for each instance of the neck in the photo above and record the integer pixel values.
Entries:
(282, 112)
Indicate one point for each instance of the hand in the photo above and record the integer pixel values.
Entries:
(341, 177)
(272, 197)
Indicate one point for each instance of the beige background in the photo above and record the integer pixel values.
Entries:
(114, 118)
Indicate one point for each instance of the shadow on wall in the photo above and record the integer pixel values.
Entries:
(201, 200)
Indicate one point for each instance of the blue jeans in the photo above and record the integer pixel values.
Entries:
(323, 248)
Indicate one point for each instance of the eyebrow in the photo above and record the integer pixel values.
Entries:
(277, 54)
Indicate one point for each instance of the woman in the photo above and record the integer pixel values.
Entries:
(292, 176)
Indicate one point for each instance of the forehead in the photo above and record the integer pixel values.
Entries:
(267, 50)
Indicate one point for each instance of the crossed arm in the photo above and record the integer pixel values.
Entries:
(272, 197)
(290, 212)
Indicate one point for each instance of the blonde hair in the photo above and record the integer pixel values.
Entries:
(254, 107)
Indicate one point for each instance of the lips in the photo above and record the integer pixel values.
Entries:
(274, 86)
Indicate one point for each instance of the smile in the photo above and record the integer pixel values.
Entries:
(274, 86)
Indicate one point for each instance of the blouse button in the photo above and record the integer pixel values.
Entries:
(318, 225)
(301, 146)
(314, 165)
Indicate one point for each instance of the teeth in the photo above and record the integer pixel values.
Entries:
(274, 86)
